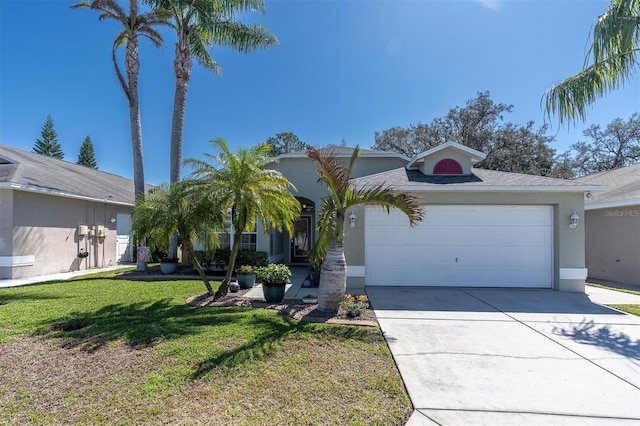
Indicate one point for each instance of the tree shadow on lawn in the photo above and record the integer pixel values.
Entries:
(8, 297)
(145, 324)
(278, 329)
(139, 325)
(587, 332)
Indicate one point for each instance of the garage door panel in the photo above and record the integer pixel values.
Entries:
(474, 246)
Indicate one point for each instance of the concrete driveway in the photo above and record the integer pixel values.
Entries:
(502, 356)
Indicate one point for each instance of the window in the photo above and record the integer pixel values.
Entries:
(447, 166)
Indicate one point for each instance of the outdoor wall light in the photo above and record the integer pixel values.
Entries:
(113, 220)
(573, 220)
(352, 220)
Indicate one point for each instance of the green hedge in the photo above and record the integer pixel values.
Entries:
(219, 259)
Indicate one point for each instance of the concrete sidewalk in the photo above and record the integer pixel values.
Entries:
(502, 356)
(57, 277)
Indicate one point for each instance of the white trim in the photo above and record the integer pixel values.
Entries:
(355, 271)
(491, 188)
(10, 261)
(28, 188)
(573, 273)
(475, 155)
(609, 204)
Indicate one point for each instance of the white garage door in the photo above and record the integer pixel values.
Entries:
(466, 246)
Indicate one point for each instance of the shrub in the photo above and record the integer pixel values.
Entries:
(276, 273)
(219, 259)
(354, 304)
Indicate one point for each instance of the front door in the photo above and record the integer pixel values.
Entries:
(302, 242)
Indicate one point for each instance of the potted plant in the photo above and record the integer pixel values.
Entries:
(168, 265)
(315, 260)
(246, 276)
(274, 278)
(144, 255)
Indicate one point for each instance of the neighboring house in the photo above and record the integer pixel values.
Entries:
(613, 225)
(52, 212)
(482, 228)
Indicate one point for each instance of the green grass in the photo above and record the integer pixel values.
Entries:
(96, 350)
(631, 309)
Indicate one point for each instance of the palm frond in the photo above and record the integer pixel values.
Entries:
(609, 63)
(242, 37)
(386, 198)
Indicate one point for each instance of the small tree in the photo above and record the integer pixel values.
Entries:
(239, 183)
(342, 196)
(285, 142)
(168, 210)
(48, 144)
(86, 156)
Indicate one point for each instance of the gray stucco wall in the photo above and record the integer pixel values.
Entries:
(46, 227)
(613, 244)
(301, 172)
(569, 244)
(6, 229)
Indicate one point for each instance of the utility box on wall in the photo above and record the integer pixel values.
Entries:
(100, 231)
(83, 230)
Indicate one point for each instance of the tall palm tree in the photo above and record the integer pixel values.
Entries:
(199, 25)
(610, 62)
(331, 220)
(239, 183)
(177, 209)
(134, 25)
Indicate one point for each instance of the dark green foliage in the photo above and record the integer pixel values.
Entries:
(48, 144)
(219, 259)
(479, 125)
(87, 157)
(618, 145)
(285, 142)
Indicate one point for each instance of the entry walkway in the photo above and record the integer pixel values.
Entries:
(502, 357)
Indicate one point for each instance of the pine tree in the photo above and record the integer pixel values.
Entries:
(48, 145)
(86, 157)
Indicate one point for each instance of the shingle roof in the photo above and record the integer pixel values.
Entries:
(623, 186)
(345, 151)
(30, 171)
(414, 180)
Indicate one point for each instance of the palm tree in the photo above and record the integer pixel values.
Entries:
(239, 183)
(609, 64)
(199, 25)
(343, 196)
(168, 210)
(134, 26)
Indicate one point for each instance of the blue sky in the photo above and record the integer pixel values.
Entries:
(343, 70)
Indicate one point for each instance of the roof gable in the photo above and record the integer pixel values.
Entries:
(451, 152)
(28, 171)
(623, 187)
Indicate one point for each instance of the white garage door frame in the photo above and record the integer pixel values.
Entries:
(461, 246)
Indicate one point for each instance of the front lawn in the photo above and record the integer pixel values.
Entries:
(630, 309)
(98, 350)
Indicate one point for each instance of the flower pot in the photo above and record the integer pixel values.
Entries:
(273, 293)
(168, 267)
(315, 277)
(246, 279)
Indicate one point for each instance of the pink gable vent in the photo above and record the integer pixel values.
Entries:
(447, 166)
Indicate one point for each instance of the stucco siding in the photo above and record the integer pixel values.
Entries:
(613, 244)
(46, 227)
(6, 230)
(568, 244)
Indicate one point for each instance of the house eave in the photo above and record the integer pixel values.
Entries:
(612, 204)
(49, 191)
(343, 155)
(501, 188)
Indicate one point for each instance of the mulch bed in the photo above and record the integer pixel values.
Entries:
(295, 308)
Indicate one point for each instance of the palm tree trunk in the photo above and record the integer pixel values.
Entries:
(188, 247)
(333, 279)
(224, 287)
(132, 64)
(182, 66)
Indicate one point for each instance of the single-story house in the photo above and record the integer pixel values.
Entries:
(612, 225)
(481, 228)
(57, 216)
